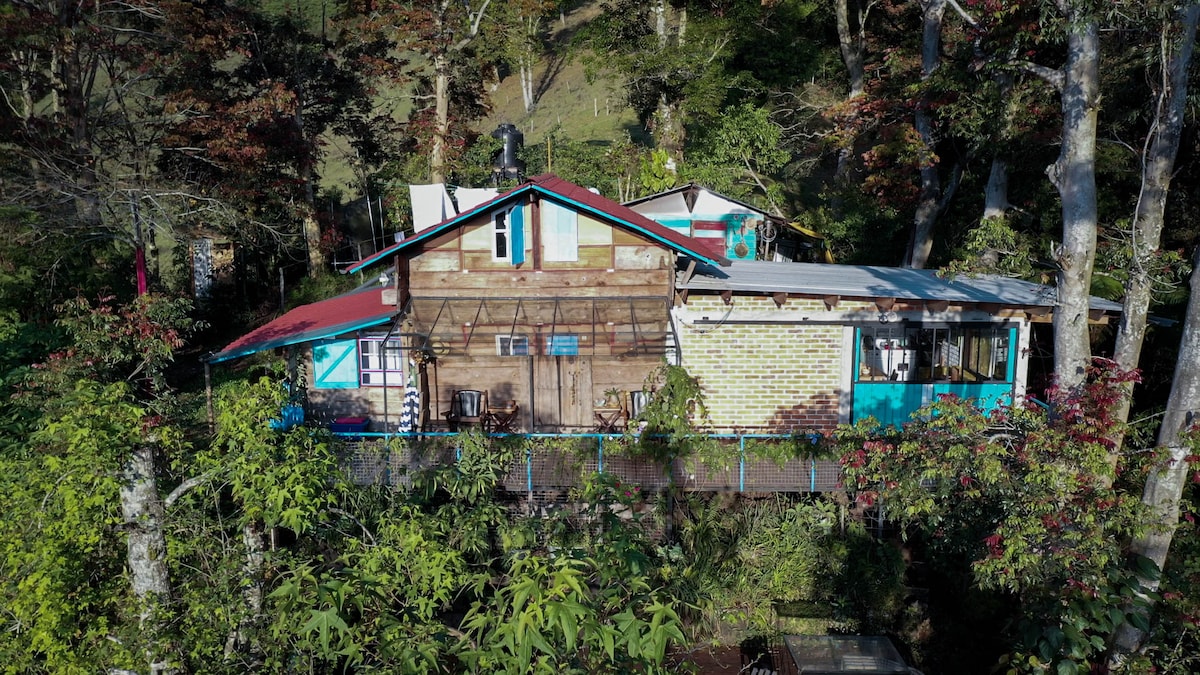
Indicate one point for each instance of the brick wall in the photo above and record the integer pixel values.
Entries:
(774, 378)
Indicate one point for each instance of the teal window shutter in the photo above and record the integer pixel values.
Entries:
(517, 229)
(335, 364)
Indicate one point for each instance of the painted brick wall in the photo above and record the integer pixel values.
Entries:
(765, 377)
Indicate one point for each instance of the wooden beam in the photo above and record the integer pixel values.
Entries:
(1095, 315)
(690, 271)
(831, 301)
(779, 298)
(885, 304)
(727, 297)
(681, 297)
(990, 307)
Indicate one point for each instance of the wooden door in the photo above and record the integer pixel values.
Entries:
(562, 393)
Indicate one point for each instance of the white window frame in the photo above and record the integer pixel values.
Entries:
(512, 345)
(502, 227)
(375, 366)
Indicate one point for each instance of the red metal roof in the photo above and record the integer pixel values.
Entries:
(341, 314)
(559, 189)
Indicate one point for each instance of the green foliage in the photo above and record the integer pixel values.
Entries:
(1030, 499)
(62, 561)
(996, 247)
(742, 563)
(320, 287)
(665, 428)
(587, 602)
(741, 154)
(278, 479)
(658, 173)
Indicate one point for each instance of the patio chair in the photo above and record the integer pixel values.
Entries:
(636, 403)
(502, 420)
(467, 408)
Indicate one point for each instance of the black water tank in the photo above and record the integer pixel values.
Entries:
(506, 164)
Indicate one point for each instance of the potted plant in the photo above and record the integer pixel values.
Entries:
(612, 398)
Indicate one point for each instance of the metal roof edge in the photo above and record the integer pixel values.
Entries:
(221, 357)
(435, 230)
(720, 262)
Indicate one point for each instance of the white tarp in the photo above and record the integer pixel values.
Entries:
(430, 205)
(664, 206)
(469, 198)
(709, 204)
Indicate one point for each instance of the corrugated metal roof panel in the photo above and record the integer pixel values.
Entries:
(868, 282)
(341, 314)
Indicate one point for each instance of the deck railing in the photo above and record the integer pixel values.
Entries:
(558, 462)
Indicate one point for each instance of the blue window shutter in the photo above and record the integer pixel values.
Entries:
(335, 364)
(516, 228)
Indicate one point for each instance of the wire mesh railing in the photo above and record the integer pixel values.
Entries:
(557, 462)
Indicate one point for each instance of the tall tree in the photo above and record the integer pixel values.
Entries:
(251, 98)
(442, 34)
(1177, 40)
(81, 129)
(1177, 442)
(1073, 174)
(931, 200)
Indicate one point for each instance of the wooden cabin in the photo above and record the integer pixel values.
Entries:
(549, 300)
(550, 304)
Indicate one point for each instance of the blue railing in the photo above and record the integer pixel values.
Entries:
(372, 460)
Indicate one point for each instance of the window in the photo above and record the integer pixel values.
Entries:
(563, 344)
(500, 236)
(512, 345)
(965, 353)
(508, 235)
(379, 362)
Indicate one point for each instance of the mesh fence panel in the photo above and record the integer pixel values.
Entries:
(552, 468)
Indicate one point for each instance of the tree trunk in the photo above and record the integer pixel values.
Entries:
(995, 197)
(852, 44)
(668, 129)
(1164, 486)
(441, 119)
(1158, 164)
(146, 553)
(526, 74)
(1074, 175)
(927, 211)
(659, 9)
(239, 640)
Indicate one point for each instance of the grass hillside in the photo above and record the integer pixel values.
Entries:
(567, 101)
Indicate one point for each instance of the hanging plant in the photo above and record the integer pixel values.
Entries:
(666, 428)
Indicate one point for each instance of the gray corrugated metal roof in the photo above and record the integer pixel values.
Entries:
(869, 282)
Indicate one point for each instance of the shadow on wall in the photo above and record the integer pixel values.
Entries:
(816, 413)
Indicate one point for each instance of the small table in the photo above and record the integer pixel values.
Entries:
(608, 419)
(501, 420)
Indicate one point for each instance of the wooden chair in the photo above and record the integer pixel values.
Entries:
(467, 407)
(502, 420)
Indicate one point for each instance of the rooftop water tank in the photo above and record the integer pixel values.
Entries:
(506, 164)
